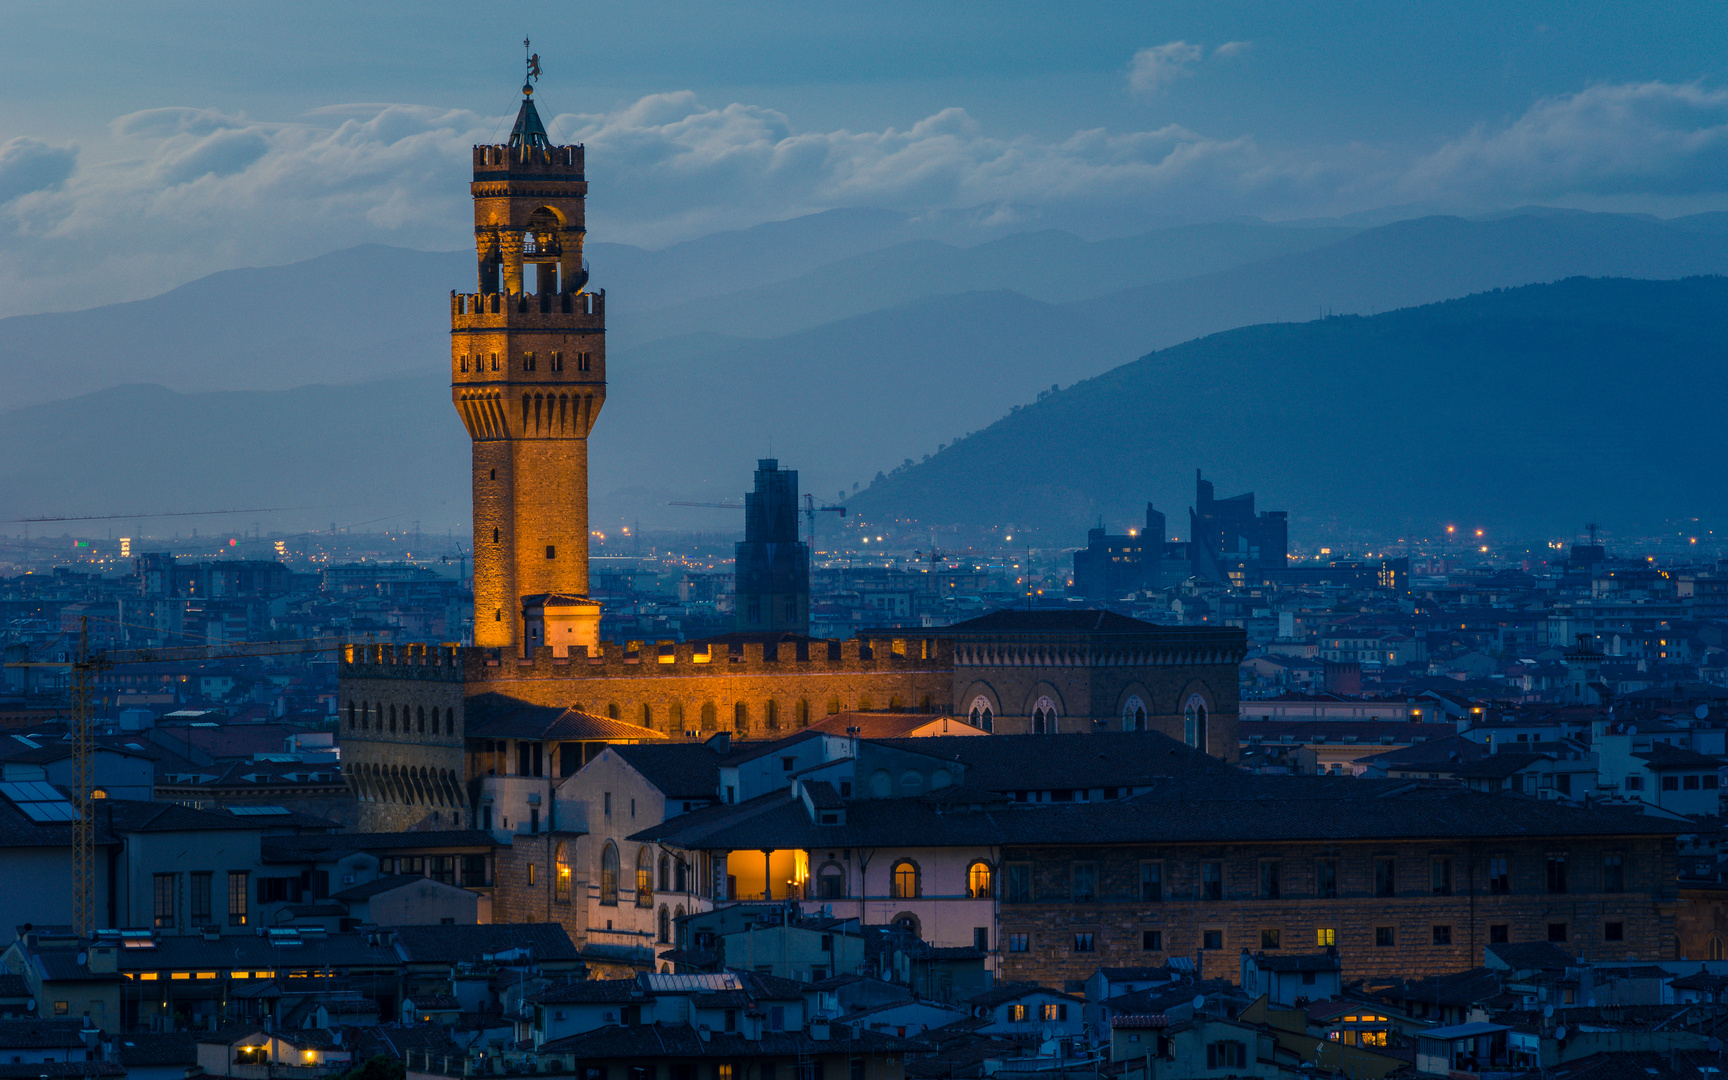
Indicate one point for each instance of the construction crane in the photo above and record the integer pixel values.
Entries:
(84, 666)
(933, 556)
(810, 512)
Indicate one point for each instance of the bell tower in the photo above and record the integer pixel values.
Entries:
(528, 376)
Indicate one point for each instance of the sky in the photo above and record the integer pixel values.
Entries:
(144, 145)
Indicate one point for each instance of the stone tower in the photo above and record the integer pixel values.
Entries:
(772, 564)
(528, 376)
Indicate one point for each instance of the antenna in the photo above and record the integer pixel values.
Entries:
(1591, 529)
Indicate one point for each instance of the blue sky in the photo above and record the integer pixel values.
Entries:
(142, 145)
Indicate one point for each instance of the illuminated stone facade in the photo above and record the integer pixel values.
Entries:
(528, 376)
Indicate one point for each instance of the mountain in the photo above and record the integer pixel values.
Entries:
(844, 400)
(1526, 411)
(1053, 266)
(840, 358)
(389, 451)
(357, 314)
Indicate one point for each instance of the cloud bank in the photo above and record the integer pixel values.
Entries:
(183, 191)
(1159, 66)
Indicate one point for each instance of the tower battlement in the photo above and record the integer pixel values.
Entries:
(549, 311)
(501, 160)
(636, 659)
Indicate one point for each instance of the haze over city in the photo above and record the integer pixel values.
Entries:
(896, 542)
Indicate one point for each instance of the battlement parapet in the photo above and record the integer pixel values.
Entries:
(427, 663)
(528, 311)
(500, 162)
(648, 659)
(1199, 647)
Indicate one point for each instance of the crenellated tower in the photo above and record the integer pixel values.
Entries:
(528, 376)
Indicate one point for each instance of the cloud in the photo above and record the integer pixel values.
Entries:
(182, 192)
(1629, 139)
(27, 165)
(1233, 48)
(1160, 65)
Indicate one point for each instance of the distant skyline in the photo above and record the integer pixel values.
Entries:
(143, 146)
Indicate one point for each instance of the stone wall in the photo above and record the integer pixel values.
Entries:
(1119, 919)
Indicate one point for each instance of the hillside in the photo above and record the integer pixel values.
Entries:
(921, 360)
(1526, 410)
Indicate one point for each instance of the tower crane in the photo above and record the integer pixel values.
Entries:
(810, 512)
(84, 666)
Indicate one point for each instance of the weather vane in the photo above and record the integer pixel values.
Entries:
(533, 62)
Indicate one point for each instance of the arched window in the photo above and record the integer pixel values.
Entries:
(561, 873)
(803, 714)
(831, 882)
(710, 721)
(393, 720)
(771, 715)
(833, 706)
(881, 784)
(680, 877)
(664, 930)
(740, 717)
(1134, 714)
(1713, 947)
(609, 874)
(865, 704)
(907, 923)
(644, 877)
(903, 880)
(911, 782)
(495, 535)
(449, 721)
(612, 711)
(647, 715)
(895, 704)
(420, 720)
(665, 873)
(978, 880)
(676, 713)
(1044, 717)
(350, 716)
(981, 715)
(1194, 722)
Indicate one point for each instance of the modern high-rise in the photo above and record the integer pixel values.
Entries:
(1231, 544)
(773, 565)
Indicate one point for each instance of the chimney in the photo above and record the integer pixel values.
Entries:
(819, 1029)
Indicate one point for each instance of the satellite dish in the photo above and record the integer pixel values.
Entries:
(1715, 1045)
(1547, 1012)
(83, 958)
(1632, 729)
(1199, 1002)
(1560, 1032)
(1701, 711)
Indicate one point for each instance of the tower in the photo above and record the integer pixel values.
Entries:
(772, 564)
(528, 376)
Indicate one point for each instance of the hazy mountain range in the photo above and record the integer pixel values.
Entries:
(847, 342)
(1529, 411)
